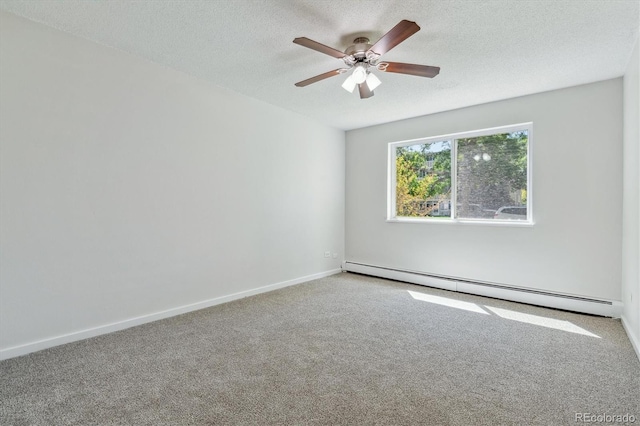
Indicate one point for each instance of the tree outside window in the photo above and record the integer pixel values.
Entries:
(490, 171)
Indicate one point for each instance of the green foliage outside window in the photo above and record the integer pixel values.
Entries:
(423, 179)
(491, 172)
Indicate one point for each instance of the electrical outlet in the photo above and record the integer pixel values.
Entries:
(327, 254)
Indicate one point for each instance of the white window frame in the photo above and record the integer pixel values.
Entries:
(453, 138)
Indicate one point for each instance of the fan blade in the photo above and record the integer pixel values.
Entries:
(303, 41)
(397, 35)
(364, 91)
(318, 77)
(419, 70)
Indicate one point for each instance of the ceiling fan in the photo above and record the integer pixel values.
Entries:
(361, 56)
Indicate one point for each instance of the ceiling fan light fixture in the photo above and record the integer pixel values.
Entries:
(359, 74)
(362, 56)
(373, 81)
(349, 84)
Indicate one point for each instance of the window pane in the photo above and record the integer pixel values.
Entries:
(492, 177)
(423, 180)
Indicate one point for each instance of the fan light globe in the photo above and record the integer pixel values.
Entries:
(349, 84)
(373, 81)
(359, 74)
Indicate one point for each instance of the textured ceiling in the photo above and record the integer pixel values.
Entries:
(487, 50)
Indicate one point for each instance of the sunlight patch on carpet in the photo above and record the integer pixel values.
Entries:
(503, 313)
(541, 321)
(444, 301)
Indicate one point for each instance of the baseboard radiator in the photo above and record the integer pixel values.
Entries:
(606, 308)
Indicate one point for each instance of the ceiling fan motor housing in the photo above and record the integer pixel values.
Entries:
(358, 49)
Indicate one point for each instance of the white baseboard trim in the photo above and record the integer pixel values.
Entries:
(606, 308)
(633, 337)
(132, 322)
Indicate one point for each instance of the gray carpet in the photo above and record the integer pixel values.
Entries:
(344, 350)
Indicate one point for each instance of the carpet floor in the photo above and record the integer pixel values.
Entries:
(342, 350)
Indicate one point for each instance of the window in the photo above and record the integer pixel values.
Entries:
(479, 176)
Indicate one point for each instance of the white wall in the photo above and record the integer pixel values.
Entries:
(129, 188)
(631, 201)
(574, 246)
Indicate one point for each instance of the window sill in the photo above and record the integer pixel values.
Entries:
(517, 224)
